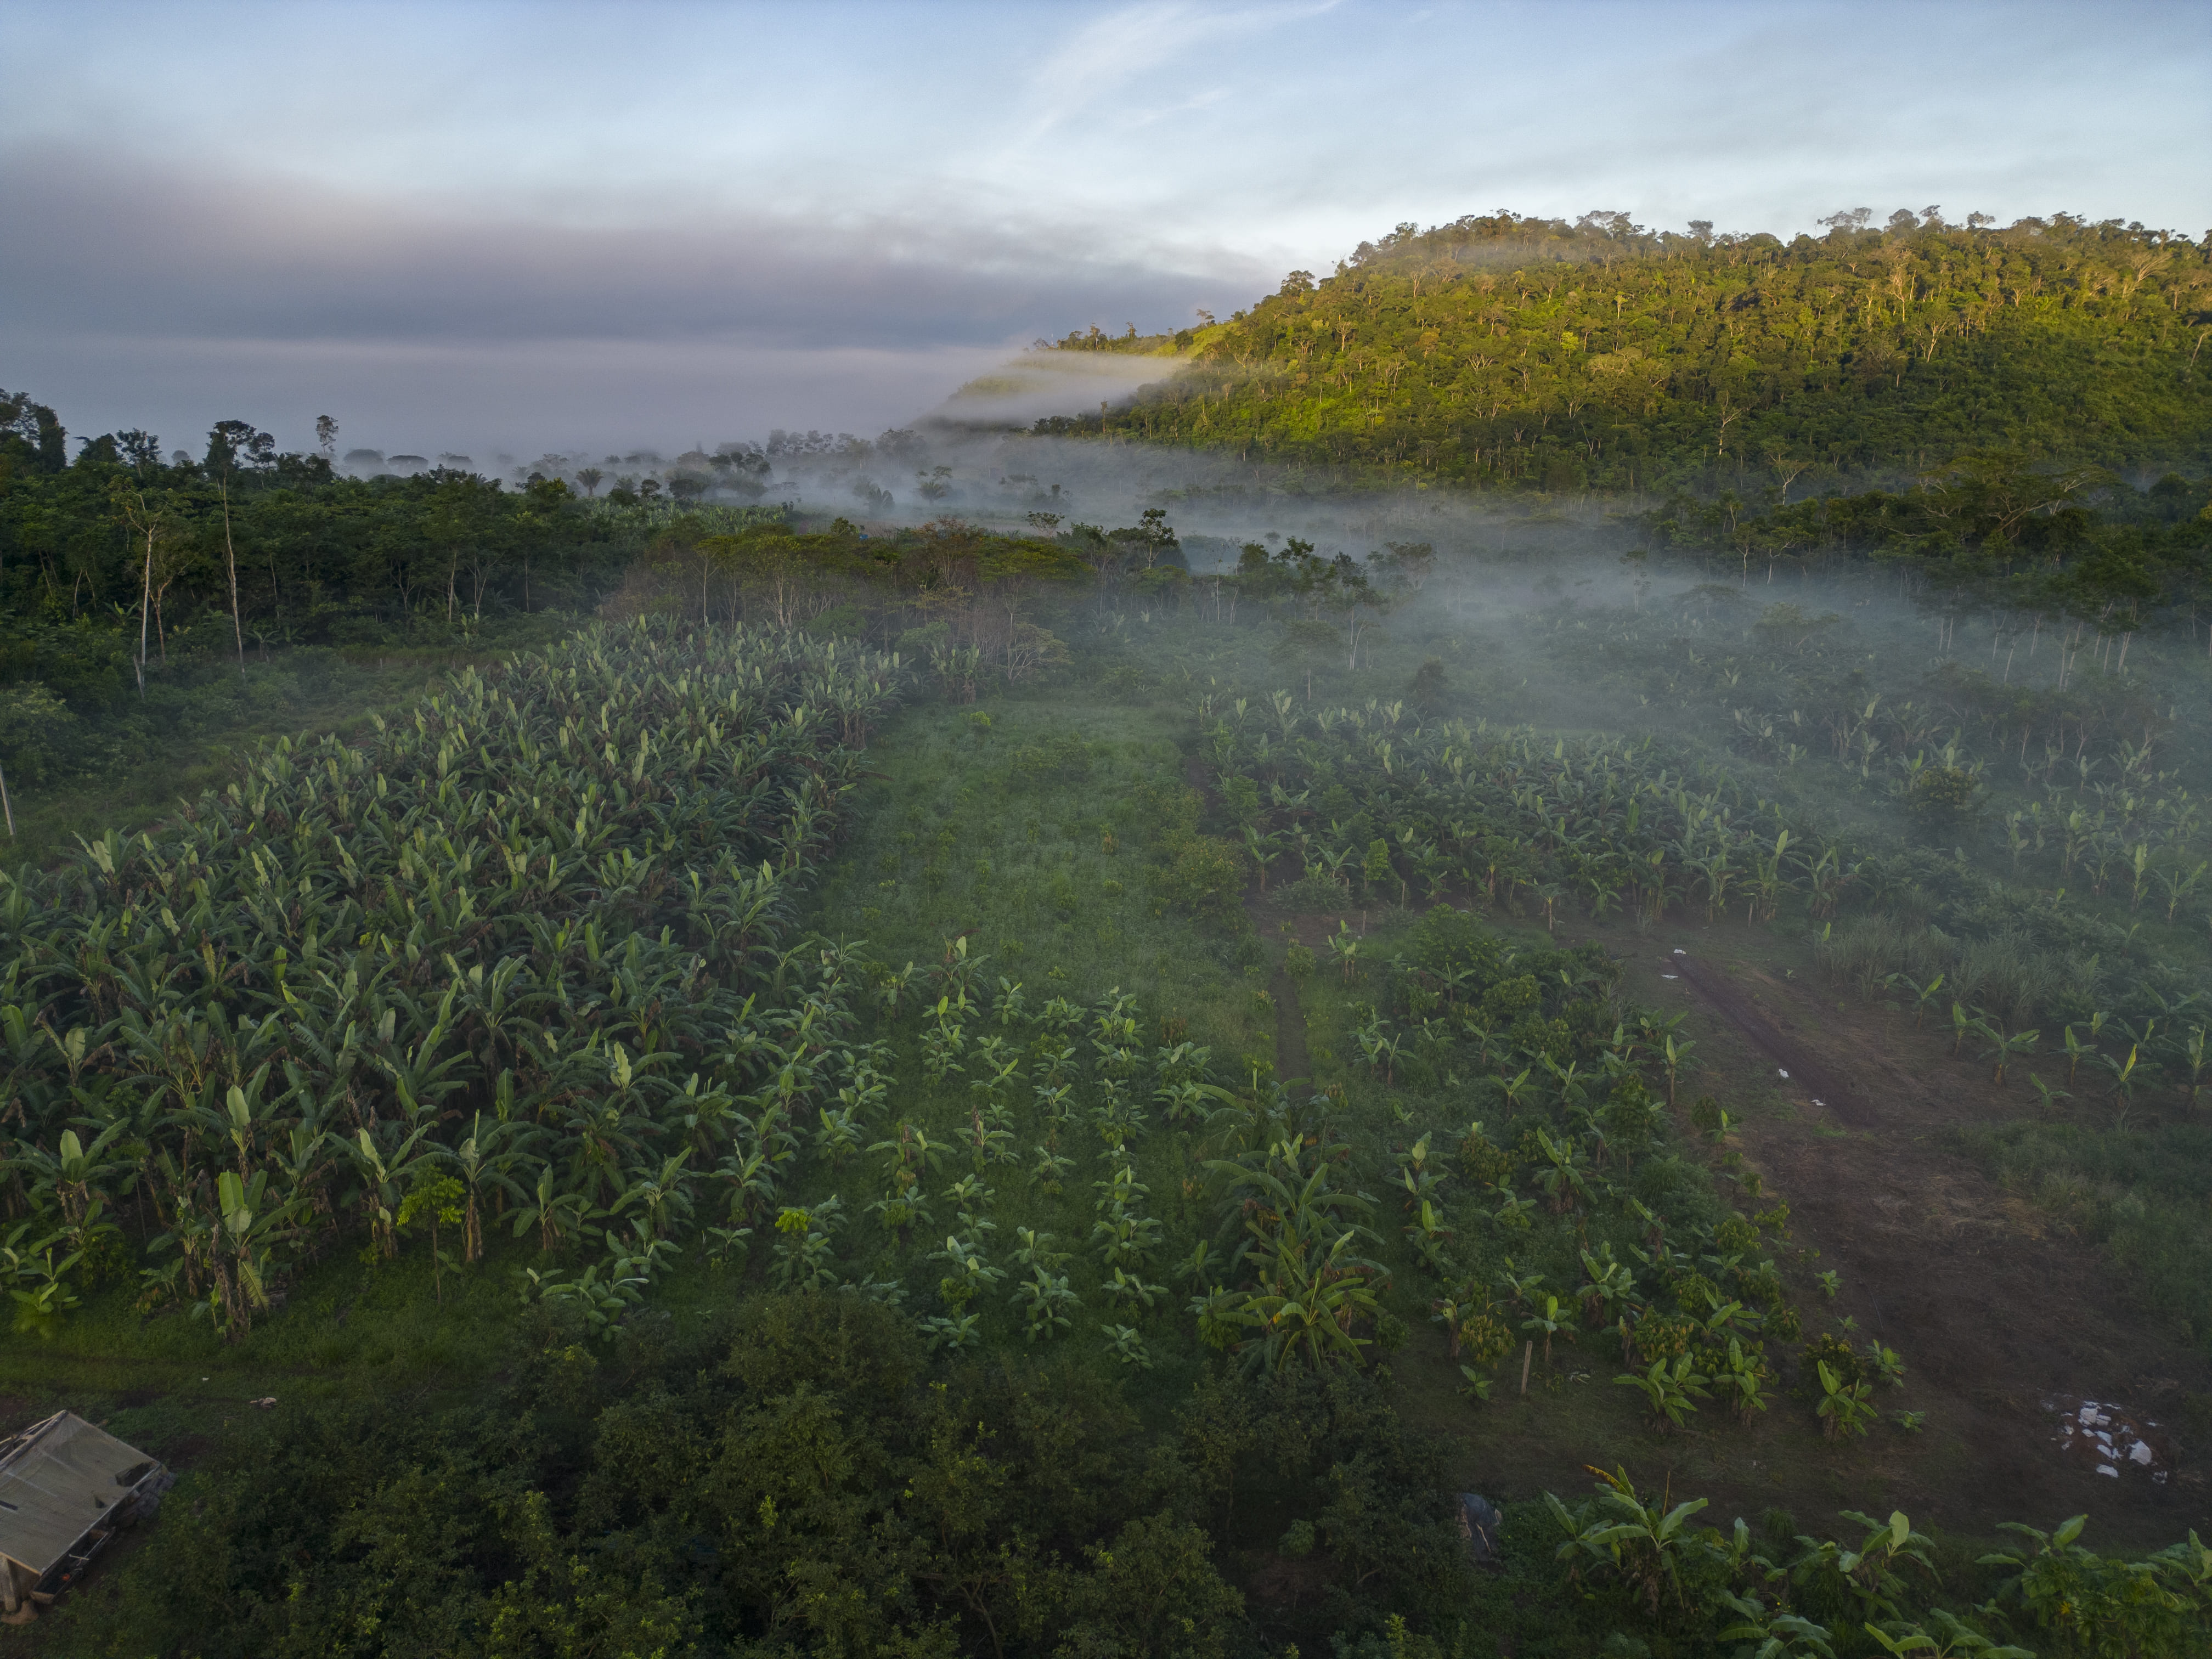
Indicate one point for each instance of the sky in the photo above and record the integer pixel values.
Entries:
(520, 227)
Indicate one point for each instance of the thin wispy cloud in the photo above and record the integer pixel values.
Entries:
(1138, 44)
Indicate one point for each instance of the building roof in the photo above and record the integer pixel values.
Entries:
(57, 1479)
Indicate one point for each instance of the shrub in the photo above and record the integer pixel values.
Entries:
(1944, 796)
(1311, 894)
(1485, 1162)
(1838, 1356)
(1204, 876)
(1060, 756)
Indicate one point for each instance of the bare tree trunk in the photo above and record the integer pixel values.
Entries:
(230, 559)
(145, 600)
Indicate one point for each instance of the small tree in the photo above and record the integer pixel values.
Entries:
(434, 1203)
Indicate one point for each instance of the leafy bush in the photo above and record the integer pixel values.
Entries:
(1314, 895)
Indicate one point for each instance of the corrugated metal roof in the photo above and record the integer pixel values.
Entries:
(57, 1482)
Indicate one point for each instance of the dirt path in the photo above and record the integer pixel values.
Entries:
(1808, 1074)
(1997, 1309)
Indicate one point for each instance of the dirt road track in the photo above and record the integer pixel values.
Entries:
(1807, 1075)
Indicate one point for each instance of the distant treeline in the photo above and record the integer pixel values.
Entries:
(2053, 541)
(135, 586)
(313, 556)
(1539, 354)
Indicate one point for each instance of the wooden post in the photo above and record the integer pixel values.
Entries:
(1527, 1354)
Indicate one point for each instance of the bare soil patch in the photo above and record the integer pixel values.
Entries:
(1795, 1063)
(1996, 1311)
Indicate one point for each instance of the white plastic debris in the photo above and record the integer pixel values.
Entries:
(1783, 1074)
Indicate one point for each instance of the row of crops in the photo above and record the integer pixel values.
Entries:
(2081, 787)
(1539, 1197)
(526, 958)
(524, 964)
(1377, 803)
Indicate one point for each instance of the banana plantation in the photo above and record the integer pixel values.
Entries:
(1637, 829)
(527, 961)
(931, 1216)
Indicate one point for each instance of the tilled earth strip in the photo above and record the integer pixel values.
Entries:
(1803, 1072)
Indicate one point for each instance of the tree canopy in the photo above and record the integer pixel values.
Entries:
(1539, 354)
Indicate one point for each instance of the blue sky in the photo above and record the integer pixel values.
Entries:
(485, 227)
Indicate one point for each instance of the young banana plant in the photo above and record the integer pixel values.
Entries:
(1670, 1393)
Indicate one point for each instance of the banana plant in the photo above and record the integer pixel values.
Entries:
(79, 1175)
(1872, 1574)
(1670, 1393)
(1943, 1636)
(1125, 1348)
(558, 1216)
(482, 1163)
(1646, 1543)
(602, 1299)
(1609, 1283)
(1562, 1177)
(662, 1198)
(1845, 1408)
(1201, 1266)
(1740, 1380)
(39, 1286)
(2002, 1049)
(967, 1272)
(1429, 1236)
(1046, 1303)
(246, 1233)
(1551, 1321)
(1884, 1364)
(2123, 1077)
(1306, 1303)
(1129, 1289)
(1922, 995)
(955, 1332)
(383, 1181)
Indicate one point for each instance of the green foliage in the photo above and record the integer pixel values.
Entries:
(486, 931)
(1536, 354)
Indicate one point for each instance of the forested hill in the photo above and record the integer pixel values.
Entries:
(1544, 354)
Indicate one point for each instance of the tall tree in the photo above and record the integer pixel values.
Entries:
(230, 445)
(147, 515)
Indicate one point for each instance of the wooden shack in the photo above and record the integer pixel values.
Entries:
(66, 1488)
